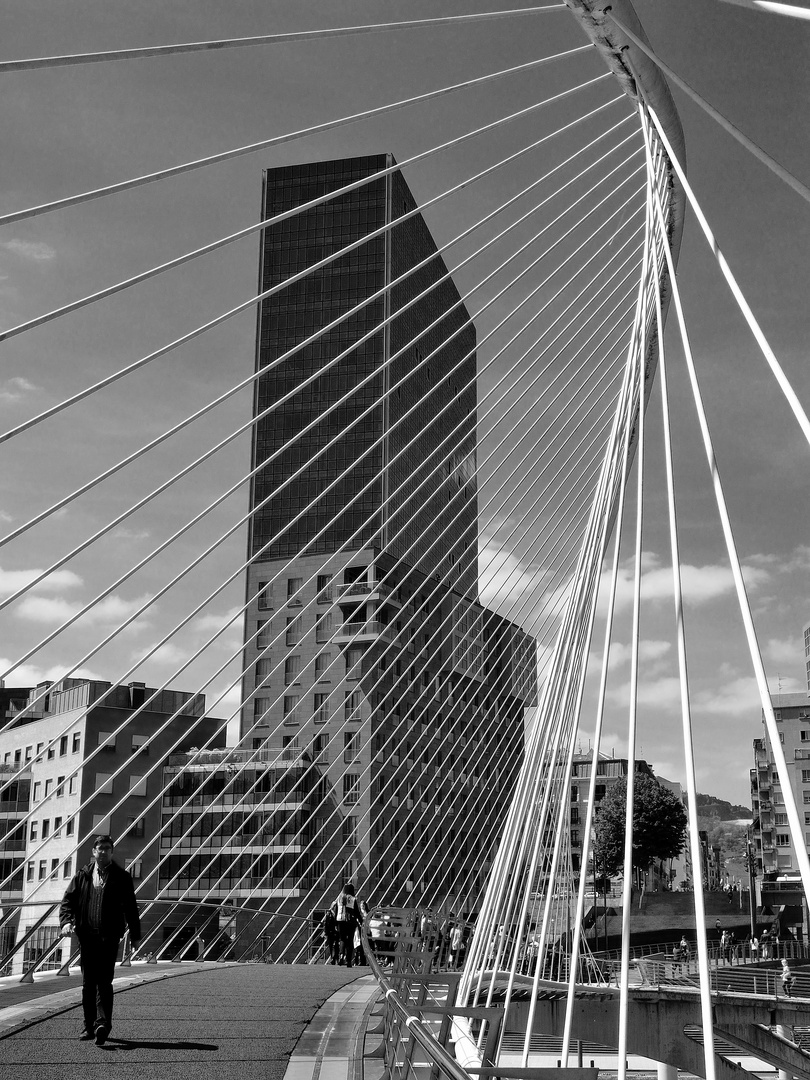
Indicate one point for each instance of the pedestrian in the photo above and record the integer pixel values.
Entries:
(357, 942)
(686, 949)
(788, 978)
(330, 937)
(347, 917)
(456, 938)
(98, 906)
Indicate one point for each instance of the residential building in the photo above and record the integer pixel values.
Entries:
(366, 648)
(85, 760)
(774, 848)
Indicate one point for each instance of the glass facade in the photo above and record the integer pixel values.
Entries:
(383, 453)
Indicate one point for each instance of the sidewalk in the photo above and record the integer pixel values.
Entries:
(227, 1022)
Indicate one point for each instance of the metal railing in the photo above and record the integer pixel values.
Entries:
(171, 930)
(419, 1011)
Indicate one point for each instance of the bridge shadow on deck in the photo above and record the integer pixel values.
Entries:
(236, 1021)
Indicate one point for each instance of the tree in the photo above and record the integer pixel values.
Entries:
(659, 825)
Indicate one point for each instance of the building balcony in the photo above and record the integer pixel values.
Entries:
(364, 590)
(800, 754)
(363, 632)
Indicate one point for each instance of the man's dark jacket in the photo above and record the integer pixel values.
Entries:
(119, 908)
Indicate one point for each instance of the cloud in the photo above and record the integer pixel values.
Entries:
(12, 580)
(32, 674)
(663, 693)
(124, 533)
(782, 651)
(15, 389)
(737, 697)
(699, 584)
(54, 610)
(648, 652)
(33, 250)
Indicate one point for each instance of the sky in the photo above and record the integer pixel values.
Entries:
(75, 129)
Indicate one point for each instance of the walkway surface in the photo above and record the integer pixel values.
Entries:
(174, 1021)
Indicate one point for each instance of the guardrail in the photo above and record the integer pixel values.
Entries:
(171, 930)
(419, 1011)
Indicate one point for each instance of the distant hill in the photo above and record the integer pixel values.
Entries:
(711, 806)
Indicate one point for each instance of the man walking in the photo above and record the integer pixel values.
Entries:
(98, 906)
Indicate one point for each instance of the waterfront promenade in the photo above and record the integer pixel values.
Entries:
(209, 1020)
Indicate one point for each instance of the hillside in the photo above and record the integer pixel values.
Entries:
(711, 806)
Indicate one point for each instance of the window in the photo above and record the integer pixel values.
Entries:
(136, 869)
(806, 797)
(319, 746)
(351, 787)
(351, 746)
(37, 790)
(264, 669)
(322, 662)
(264, 634)
(574, 794)
(354, 661)
(106, 740)
(46, 828)
(29, 753)
(294, 586)
(575, 838)
(292, 669)
(104, 783)
(34, 830)
(806, 818)
(51, 753)
(70, 827)
(265, 595)
(783, 839)
(140, 744)
(805, 735)
(323, 626)
(57, 825)
(67, 869)
(48, 787)
(73, 785)
(352, 705)
(321, 711)
(806, 776)
(294, 630)
(54, 869)
(101, 823)
(137, 785)
(29, 871)
(324, 588)
(60, 786)
(43, 869)
(780, 819)
(63, 746)
(291, 708)
(349, 830)
(77, 742)
(261, 708)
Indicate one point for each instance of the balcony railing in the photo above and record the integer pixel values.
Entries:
(364, 631)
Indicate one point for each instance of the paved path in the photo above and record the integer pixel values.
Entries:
(245, 1021)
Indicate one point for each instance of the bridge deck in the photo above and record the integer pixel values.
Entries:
(240, 1021)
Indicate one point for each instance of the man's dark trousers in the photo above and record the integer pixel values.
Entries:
(98, 968)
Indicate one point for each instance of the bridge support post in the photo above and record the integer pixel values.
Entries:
(666, 1072)
(786, 1033)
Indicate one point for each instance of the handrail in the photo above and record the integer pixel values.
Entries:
(189, 908)
(445, 1064)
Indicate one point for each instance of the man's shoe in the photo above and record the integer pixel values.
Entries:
(101, 1034)
(85, 1035)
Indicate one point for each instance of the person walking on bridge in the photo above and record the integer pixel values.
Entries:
(346, 908)
(98, 906)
